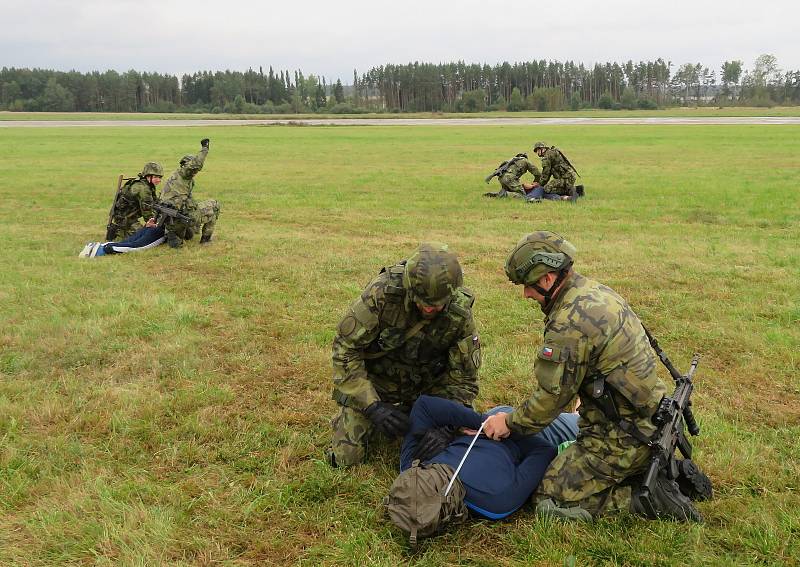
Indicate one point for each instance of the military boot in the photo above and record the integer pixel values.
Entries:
(205, 239)
(668, 502)
(573, 195)
(693, 482)
(173, 240)
(550, 509)
(579, 190)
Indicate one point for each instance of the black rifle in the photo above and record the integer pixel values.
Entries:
(572, 167)
(670, 417)
(503, 167)
(167, 211)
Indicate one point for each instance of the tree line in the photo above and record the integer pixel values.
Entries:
(414, 87)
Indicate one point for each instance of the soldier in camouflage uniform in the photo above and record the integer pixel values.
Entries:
(558, 176)
(510, 180)
(177, 193)
(595, 348)
(134, 202)
(410, 332)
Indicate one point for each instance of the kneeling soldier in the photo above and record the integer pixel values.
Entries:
(596, 348)
(410, 333)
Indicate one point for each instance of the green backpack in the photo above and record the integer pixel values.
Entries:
(416, 503)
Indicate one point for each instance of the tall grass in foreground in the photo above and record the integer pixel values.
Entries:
(172, 407)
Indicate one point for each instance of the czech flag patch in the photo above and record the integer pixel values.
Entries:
(547, 352)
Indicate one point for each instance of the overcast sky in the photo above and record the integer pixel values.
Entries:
(331, 38)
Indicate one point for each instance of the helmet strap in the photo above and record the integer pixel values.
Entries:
(549, 294)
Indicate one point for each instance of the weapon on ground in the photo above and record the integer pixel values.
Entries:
(110, 229)
(670, 417)
(167, 211)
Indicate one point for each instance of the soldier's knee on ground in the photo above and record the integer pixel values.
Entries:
(350, 438)
(173, 241)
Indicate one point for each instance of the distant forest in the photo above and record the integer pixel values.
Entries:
(415, 87)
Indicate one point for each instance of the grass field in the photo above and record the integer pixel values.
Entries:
(171, 407)
(687, 112)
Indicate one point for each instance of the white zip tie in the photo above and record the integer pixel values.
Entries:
(464, 458)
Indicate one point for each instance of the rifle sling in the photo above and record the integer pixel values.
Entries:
(412, 332)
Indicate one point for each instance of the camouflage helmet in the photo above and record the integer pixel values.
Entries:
(186, 159)
(152, 168)
(536, 254)
(539, 145)
(432, 274)
(417, 505)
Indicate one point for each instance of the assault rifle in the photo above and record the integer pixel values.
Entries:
(503, 167)
(167, 211)
(111, 230)
(670, 417)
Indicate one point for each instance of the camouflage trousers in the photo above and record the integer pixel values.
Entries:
(590, 473)
(204, 218)
(353, 433)
(125, 226)
(510, 184)
(560, 186)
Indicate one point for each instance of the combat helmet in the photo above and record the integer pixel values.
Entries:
(539, 145)
(538, 253)
(432, 274)
(186, 159)
(152, 168)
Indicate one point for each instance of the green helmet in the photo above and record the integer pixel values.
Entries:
(432, 274)
(539, 145)
(186, 159)
(537, 254)
(152, 168)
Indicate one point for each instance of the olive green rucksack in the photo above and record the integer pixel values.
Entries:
(416, 503)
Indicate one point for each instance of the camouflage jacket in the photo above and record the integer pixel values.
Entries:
(520, 166)
(136, 201)
(177, 191)
(590, 331)
(375, 359)
(554, 165)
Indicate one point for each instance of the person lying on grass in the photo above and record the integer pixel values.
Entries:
(495, 480)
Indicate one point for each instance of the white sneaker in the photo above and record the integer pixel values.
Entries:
(86, 250)
(95, 248)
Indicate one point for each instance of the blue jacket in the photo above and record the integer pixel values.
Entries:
(499, 476)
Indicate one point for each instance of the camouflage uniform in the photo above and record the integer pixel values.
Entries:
(557, 176)
(593, 344)
(135, 202)
(384, 351)
(206, 217)
(177, 193)
(510, 180)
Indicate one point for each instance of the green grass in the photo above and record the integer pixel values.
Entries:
(681, 112)
(172, 407)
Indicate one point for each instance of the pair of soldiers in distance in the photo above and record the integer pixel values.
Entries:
(136, 201)
(411, 333)
(555, 182)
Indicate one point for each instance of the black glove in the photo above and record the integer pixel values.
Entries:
(433, 441)
(204, 142)
(388, 419)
